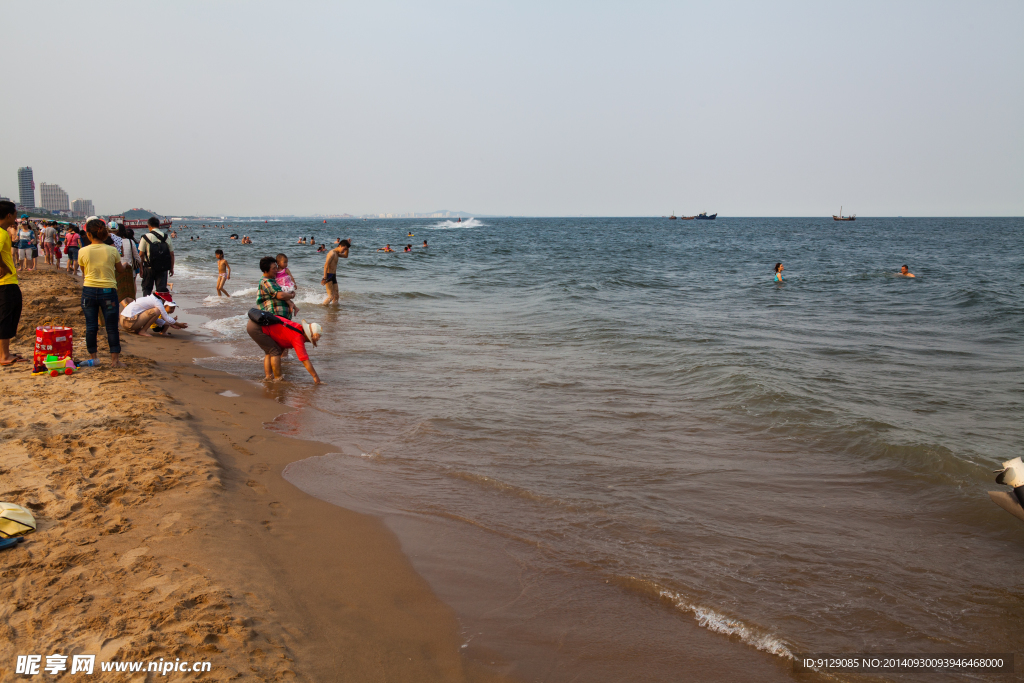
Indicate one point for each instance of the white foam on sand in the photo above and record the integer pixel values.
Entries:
(229, 327)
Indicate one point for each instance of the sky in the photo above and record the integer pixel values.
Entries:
(519, 108)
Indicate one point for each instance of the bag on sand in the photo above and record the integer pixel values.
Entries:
(158, 255)
(262, 318)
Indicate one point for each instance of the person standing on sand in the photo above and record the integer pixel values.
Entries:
(49, 242)
(157, 257)
(73, 242)
(330, 278)
(100, 264)
(24, 245)
(223, 273)
(10, 292)
(131, 260)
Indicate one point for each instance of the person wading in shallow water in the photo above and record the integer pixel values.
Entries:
(330, 278)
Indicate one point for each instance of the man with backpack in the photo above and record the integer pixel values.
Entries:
(157, 258)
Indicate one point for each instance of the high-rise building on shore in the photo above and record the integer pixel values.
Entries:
(26, 187)
(53, 198)
(83, 208)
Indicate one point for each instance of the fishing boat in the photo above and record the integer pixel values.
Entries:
(138, 222)
(686, 218)
(673, 216)
(705, 217)
(840, 217)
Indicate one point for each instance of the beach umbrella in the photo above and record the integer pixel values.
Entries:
(15, 521)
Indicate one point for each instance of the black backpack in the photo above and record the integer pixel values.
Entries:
(262, 318)
(158, 255)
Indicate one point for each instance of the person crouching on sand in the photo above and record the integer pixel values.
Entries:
(138, 315)
(100, 265)
(279, 336)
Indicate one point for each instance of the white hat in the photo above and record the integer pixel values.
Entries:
(309, 330)
(95, 218)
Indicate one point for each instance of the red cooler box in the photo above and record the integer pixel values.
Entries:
(52, 340)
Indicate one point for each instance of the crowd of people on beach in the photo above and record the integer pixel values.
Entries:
(109, 258)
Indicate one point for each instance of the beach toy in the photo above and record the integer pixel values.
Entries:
(52, 341)
(15, 521)
(10, 542)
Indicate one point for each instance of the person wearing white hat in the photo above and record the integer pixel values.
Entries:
(139, 314)
(280, 335)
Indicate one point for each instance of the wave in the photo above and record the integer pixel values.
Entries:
(448, 225)
(709, 618)
(216, 300)
(229, 327)
(193, 273)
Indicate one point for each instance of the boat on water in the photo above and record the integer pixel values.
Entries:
(840, 217)
(686, 218)
(673, 216)
(134, 223)
(705, 217)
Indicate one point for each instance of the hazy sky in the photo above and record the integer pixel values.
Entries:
(524, 108)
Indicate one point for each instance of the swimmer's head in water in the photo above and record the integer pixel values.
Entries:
(778, 266)
(904, 270)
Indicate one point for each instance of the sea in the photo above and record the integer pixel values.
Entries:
(621, 451)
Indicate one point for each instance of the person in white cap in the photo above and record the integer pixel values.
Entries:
(137, 315)
(284, 334)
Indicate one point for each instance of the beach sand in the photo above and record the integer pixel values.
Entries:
(165, 529)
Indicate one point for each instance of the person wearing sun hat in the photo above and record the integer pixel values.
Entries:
(284, 334)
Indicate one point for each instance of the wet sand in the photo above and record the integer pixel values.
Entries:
(166, 529)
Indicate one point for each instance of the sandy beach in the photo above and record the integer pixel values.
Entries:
(166, 531)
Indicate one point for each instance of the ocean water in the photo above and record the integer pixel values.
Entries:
(611, 443)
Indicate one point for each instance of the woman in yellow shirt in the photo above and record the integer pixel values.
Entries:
(100, 264)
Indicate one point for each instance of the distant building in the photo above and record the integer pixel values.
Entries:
(26, 187)
(53, 198)
(83, 207)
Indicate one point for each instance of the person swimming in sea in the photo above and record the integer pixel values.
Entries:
(410, 235)
(778, 272)
(905, 272)
(386, 249)
(408, 248)
(424, 244)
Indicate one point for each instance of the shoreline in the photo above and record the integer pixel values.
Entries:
(167, 530)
